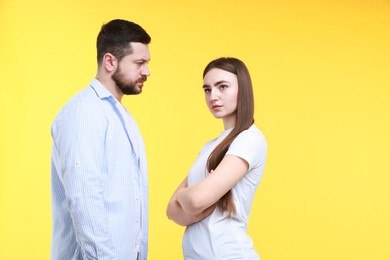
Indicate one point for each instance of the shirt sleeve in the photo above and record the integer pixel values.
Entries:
(250, 146)
(80, 141)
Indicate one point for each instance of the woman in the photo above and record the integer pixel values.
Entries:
(215, 199)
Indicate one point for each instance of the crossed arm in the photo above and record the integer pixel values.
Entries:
(190, 204)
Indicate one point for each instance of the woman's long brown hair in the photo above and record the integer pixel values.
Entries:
(244, 118)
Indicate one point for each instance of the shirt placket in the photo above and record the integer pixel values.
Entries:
(136, 170)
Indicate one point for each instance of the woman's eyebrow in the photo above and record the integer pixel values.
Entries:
(216, 83)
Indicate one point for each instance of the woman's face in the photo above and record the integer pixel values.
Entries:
(221, 91)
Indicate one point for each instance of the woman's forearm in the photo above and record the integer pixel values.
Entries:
(176, 213)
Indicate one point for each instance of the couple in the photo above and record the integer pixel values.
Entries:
(99, 169)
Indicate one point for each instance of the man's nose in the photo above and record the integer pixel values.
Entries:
(145, 71)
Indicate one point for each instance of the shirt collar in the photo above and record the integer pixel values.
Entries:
(100, 90)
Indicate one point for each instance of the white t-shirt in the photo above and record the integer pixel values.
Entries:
(219, 236)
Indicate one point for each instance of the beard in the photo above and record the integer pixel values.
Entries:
(127, 87)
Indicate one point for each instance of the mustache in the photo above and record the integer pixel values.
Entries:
(142, 79)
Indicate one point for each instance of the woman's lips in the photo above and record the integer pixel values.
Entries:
(216, 107)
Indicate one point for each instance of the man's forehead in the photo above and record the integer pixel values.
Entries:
(140, 51)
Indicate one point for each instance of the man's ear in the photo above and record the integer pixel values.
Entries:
(109, 62)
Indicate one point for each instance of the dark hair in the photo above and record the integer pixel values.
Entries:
(244, 117)
(115, 37)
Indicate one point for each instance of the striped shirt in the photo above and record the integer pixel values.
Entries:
(99, 180)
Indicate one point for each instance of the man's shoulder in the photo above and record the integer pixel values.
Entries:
(85, 97)
(87, 94)
(85, 101)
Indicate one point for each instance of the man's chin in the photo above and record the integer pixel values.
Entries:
(138, 88)
(135, 90)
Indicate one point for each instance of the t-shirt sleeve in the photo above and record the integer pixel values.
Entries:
(250, 146)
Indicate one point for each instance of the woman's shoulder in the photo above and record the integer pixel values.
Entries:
(250, 145)
(253, 134)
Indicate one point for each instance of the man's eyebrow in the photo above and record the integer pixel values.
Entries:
(142, 60)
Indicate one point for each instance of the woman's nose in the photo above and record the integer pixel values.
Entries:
(214, 95)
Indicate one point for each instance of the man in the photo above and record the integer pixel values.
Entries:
(99, 171)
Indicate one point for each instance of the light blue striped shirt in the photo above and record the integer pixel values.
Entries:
(99, 180)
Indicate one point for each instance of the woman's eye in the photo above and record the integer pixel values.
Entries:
(223, 86)
(206, 90)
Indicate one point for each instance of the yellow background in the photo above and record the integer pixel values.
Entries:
(321, 76)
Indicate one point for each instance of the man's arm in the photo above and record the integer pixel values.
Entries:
(80, 142)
